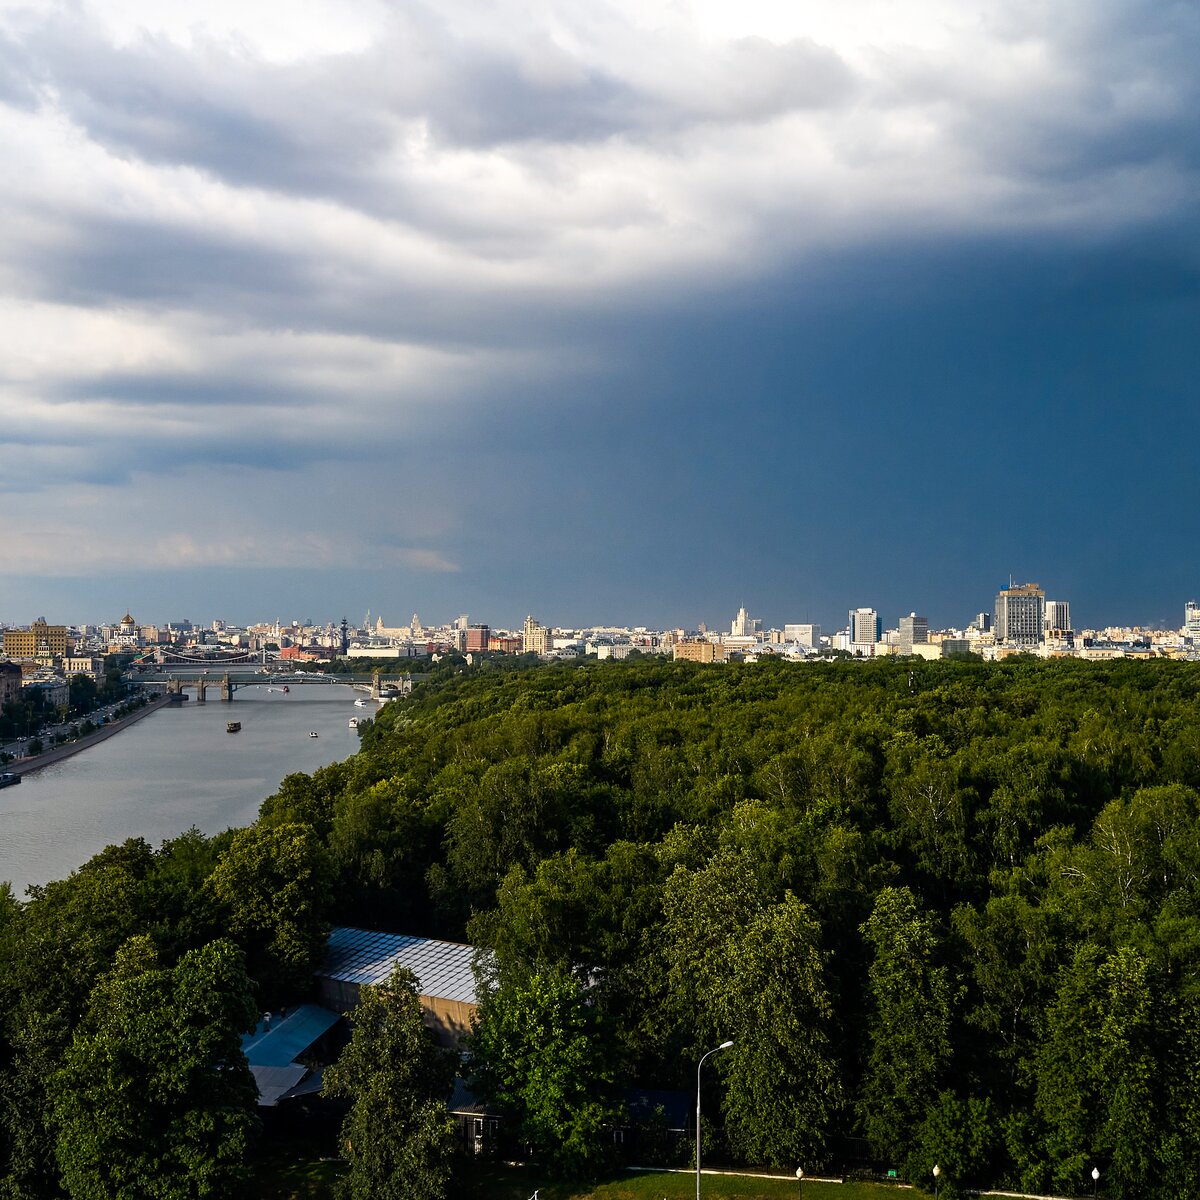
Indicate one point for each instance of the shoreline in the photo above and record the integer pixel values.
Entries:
(23, 766)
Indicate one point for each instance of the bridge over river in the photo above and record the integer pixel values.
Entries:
(175, 682)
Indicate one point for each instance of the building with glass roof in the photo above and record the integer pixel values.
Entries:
(445, 973)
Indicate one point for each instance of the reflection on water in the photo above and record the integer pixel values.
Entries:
(176, 768)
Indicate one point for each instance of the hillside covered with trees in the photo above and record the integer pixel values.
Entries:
(945, 912)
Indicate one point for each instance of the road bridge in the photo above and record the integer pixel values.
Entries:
(229, 682)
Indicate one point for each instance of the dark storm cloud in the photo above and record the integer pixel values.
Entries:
(811, 307)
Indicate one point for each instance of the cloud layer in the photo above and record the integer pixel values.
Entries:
(337, 239)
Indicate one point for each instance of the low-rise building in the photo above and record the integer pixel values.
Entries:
(699, 650)
(444, 971)
(84, 664)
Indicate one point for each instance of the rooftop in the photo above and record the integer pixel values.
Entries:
(443, 969)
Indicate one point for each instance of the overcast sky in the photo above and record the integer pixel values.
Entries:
(624, 311)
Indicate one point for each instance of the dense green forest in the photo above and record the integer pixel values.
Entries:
(946, 912)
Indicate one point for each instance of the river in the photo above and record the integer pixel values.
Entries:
(176, 768)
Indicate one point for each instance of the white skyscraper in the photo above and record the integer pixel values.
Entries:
(1058, 615)
(744, 625)
(865, 626)
(1191, 621)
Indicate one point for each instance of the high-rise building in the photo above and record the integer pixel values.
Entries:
(1191, 621)
(1020, 615)
(744, 625)
(535, 638)
(913, 630)
(866, 627)
(477, 637)
(1058, 616)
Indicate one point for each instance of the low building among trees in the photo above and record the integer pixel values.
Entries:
(444, 971)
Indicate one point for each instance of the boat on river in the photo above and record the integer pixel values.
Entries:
(7, 779)
(313, 733)
(233, 727)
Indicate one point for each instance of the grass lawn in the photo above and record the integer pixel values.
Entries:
(500, 1183)
(285, 1173)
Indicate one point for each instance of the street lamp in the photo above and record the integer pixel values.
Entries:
(1095, 1180)
(936, 1172)
(800, 1176)
(722, 1046)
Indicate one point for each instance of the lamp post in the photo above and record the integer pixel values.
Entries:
(722, 1046)
(936, 1173)
(800, 1176)
(1095, 1180)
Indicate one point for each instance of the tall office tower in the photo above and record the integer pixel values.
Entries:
(1191, 621)
(866, 628)
(1058, 616)
(913, 630)
(477, 637)
(983, 622)
(1020, 615)
(741, 624)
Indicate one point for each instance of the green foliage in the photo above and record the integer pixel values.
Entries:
(961, 897)
(909, 1023)
(397, 1135)
(1104, 1075)
(539, 1052)
(960, 1137)
(154, 1098)
(273, 885)
(776, 1008)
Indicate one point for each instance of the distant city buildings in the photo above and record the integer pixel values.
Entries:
(40, 641)
(1191, 621)
(1023, 622)
(808, 636)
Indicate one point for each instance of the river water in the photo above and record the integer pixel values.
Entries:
(176, 768)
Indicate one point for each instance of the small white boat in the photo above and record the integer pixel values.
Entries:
(360, 703)
(313, 733)
(353, 722)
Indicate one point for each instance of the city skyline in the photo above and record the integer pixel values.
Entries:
(615, 313)
(743, 622)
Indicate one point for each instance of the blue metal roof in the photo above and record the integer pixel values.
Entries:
(288, 1037)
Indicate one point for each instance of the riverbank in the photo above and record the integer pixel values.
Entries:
(35, 762)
